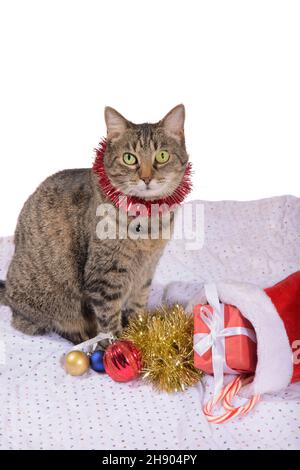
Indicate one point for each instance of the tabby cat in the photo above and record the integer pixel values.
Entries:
(62, 278)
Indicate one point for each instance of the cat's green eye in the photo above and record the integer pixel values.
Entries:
(129, 159)
(162, 156)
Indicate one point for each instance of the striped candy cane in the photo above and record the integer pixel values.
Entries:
(226, 395)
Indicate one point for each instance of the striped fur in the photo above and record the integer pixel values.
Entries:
(62, 278)
(2, 292)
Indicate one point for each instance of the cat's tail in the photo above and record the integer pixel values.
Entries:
(2, 293)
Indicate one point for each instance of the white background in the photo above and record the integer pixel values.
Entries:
(234, 64)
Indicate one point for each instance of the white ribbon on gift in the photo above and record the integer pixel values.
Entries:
(216, 338)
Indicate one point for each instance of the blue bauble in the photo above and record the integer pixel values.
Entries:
(96, 361)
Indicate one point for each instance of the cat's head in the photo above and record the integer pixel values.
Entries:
(146, 160)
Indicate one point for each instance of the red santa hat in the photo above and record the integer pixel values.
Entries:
(275, 315)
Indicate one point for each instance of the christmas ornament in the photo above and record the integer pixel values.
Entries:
(127, 202)
(123, 361)
(76, 363)
(96, 361)
(165, 338)
(157, 345)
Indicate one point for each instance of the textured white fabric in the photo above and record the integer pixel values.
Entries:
(43, 407)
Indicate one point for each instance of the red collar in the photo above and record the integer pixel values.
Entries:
(128, 203)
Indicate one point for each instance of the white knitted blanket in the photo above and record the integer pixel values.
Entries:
(44, 408)
(257, 242)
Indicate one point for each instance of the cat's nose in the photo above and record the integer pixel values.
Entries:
(146, 180)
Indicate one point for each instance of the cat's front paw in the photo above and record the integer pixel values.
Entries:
(115, 333)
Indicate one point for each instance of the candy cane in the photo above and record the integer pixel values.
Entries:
(208, 409)
(226, 395)
(245, 408)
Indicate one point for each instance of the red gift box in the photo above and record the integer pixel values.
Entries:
(240, 350)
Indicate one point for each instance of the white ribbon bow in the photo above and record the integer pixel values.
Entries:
(216, 338)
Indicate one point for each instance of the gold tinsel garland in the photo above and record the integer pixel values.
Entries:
(165, 338)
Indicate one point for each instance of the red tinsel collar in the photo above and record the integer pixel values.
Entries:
(128, 203)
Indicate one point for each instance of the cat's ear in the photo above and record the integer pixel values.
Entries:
(173, 122)
(116, 124)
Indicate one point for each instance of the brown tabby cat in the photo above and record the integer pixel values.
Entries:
(62, 278)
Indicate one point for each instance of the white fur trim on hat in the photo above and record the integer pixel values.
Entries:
(274, 365)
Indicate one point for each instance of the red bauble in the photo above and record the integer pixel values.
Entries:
(122, 361)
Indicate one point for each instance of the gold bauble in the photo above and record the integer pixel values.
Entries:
(77, 363)
(165, 338)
